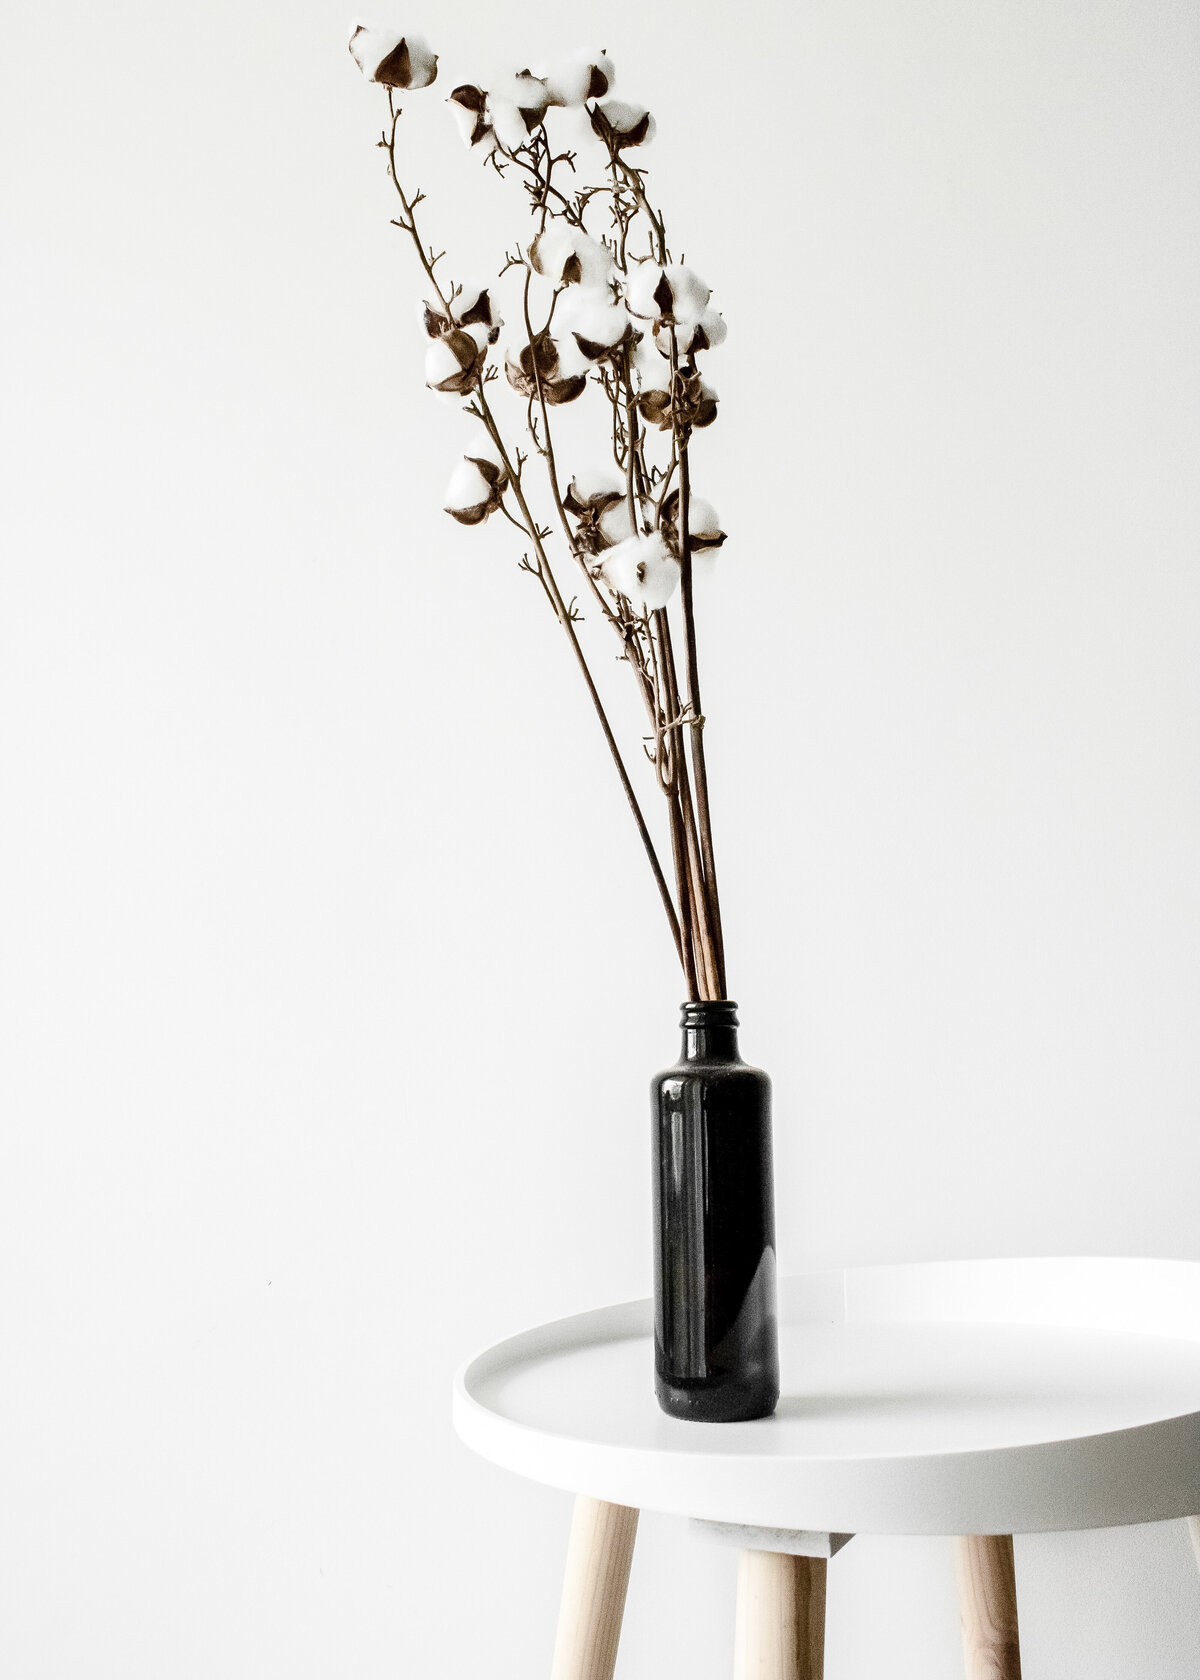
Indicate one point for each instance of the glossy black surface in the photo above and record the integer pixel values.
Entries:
(715, 1338)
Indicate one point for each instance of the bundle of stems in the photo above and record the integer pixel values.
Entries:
(603, 313)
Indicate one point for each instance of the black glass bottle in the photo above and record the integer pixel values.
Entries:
(715, 1337)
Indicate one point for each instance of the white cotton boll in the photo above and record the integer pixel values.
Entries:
(714, 328)
(472, 128)
(467, 120)
(702, 518)
(625, 118)
(453, 362)
(606, 67)
(571, 359)
(441, 362)
(577, 77)
(508, 124)
(468, 488)
(644, 570)
(704, 334)
(568, 256)
(391, 57)
(571, 126)
(524, 90)
(370, 46)
(595, 260)
(568, 83)
(504, 88)
(652, 291)
(594, 482)
(619, 568)
(689, 292)
(651, 361)
(468, 298)
(622, 114)
(615, 524)
(422, 61)
(586, 316)
(549, 251)
(640, 285)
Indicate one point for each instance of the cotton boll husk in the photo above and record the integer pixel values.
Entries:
(468, 488)
(644, 570)
(433, 318)
(480, 332)
(570, 80)
(469, 298)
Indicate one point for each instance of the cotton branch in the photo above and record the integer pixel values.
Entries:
(635, 545)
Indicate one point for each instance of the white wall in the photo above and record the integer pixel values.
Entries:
(324, 1052)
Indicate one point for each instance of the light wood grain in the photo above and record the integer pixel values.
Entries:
(599, 1554)
(987, 1596)
(1194, 1531)
(780, 1631)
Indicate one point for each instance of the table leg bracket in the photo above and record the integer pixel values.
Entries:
(793, 1542)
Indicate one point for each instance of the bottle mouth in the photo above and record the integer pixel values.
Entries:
(706, 1013)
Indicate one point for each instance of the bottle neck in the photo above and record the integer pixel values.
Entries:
(709, 1032)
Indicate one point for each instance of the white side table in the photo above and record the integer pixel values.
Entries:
(980, 1399)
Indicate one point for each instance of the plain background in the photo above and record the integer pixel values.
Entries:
(332, 979)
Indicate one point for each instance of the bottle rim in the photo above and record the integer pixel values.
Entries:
(707, 1012)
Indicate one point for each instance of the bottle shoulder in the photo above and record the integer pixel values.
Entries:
(717, 1069)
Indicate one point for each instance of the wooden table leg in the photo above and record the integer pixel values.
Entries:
(987, 1596)
(780, 1633)
(1194, 1531)
(599, 1554)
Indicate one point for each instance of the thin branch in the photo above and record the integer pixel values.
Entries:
(692, 671)
(565, 614)
(564, 617)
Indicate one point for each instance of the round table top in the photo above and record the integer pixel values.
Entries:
(963, 1397)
